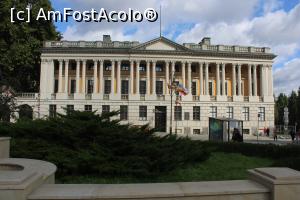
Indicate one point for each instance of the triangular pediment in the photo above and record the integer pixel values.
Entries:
(161, 44)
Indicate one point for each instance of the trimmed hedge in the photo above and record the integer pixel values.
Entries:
(84, 143)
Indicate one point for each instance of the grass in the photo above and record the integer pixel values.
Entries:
(220, 166)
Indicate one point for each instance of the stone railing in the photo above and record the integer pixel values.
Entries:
(227, 48)
(90, 44)
(24, 179)
(27, 95)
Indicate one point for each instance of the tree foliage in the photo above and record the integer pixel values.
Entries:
(20, 44)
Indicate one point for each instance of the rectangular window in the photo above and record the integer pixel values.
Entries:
(261, 114)
(230, 112)
(143, 113)
(70, 108)
(178, 113)
(107, 67)
(226, 88)
(88, 108)
(73, 66)
(194, 88)
(123, 112)
(194, 69)
(142, 67)
(107, 87)
(213, 111)
(105, 109)
(177, 68)
(52, 110)
(125, 67)
(56, 86)
(196, 131)
(196, 113)
(159, 87)
(124, 86)
(73, 86)
(246, 113)
(143, 87)
(159, 68)
(90, 86)
(211, 88)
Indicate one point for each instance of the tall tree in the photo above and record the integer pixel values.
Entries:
(281, 102)
(20, 44)
(292, 105)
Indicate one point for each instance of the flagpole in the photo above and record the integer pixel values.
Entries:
(171, 115)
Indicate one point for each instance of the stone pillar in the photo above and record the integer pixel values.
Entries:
(270, 81)
(148, 77)
(137, 83)
(131, 77)
(189, 81)
(218, 78)
(262, 81)
(43, 78)
(119, 77)
(112, 76)
(51, 74)
(83, 76)
(266, 78)
(77, 76)
(223, 79)
(239, 80)
(206, 79)
(153, 77)
(183, 73)
(60, 76)
(167, 64)
(66, 76)
(255, 80)
(95, 89)
(201, 78)
(101, 77)
(249, 80)
(233, 80)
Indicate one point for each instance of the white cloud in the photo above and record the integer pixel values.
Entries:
(286, 78)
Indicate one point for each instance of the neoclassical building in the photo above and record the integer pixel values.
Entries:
(223, 81)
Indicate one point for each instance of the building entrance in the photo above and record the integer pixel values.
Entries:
(161, 118)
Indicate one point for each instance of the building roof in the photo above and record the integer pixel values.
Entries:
(160, 45)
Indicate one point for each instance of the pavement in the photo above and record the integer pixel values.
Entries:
(281, 139)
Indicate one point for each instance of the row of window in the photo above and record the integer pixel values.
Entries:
(177, 112)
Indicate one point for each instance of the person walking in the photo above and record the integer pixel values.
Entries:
(268, 132)
(275, 135)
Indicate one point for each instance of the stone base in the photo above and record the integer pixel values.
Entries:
(268, 99)
(62, 96)
(97, 96)
(221, 98)
(205, 98)
(253, 99)
(79, 96)
(238, 98)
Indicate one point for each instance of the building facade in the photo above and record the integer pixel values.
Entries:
(223, 81)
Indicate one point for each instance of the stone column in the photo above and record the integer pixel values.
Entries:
(270, 81)
(83, 76)
(201, 78)
(119, 77)
(223, 79)
(153, 77)
(167, 64)
(95, 76)
(66, 76)
(77, 76)
(137, 83)
(148, 77)
(266, 78)
(262, 80)
(239, 80)
(233, 79)
(206, 79)
(52, 79)
(60, 76)
(249, 81)
(112, 76)
(218, 78)
(255, 80)
(183, 73)
(101, 77)
(131, 77)
(189, 83)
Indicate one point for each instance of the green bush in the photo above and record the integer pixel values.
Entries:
(83, 143)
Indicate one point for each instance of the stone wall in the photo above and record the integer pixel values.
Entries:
(4, 147)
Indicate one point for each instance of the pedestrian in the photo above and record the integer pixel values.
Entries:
(236, 135)
(293, 135)
(275, 135)
(268, 132)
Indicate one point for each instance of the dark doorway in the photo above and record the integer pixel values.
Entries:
(160, 118)
(25, 112)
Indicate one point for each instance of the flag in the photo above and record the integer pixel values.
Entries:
(182, 90)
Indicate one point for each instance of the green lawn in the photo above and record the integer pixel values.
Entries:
(220, 166)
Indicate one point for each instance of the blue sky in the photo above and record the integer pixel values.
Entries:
(272, 23)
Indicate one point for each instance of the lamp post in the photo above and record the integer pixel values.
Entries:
(171, 93)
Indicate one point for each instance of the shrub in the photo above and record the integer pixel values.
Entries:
(83, 143)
